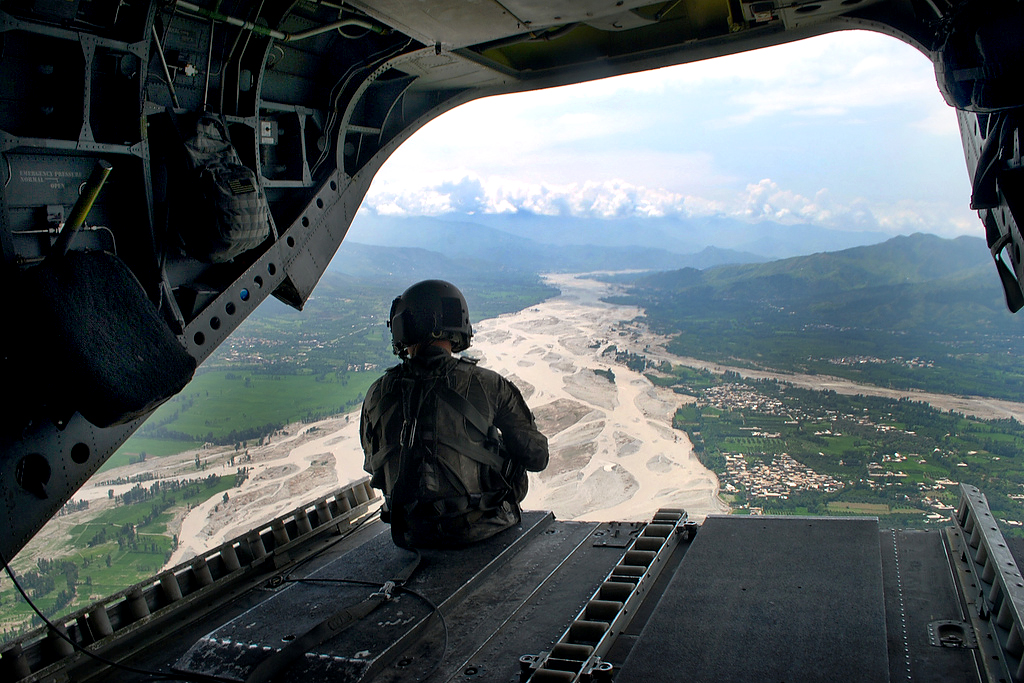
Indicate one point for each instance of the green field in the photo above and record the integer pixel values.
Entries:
(130, 450)
(231, 407)
(106, 554)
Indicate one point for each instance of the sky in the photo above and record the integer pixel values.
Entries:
(847, 131)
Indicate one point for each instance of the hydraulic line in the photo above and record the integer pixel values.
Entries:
(167, 71)
(279, 35)
(209, 62)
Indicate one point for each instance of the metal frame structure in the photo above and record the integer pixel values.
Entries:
(991, 585)
(577, 656)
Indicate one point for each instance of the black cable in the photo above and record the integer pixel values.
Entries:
(435, 610)
(157, 675)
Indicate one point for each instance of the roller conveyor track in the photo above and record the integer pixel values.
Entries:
(577, 656)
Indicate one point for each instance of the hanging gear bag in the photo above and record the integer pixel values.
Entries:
(220, 208)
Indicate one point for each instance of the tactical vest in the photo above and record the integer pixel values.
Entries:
(446, 479)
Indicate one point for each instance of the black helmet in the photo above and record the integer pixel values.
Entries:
(429, 310)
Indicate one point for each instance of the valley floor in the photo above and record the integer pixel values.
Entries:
(614, 454)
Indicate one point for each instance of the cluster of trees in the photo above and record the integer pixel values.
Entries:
(168, 489)
(633, 361)
(73, 506)
(134, 479)
(234, 436)
(43, 579)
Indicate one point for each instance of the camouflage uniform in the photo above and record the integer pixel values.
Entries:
(447, 496)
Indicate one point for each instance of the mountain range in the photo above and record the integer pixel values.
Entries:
(909, 297)
(561, 244)
(900, 283)
(916, 311)
(918, 282)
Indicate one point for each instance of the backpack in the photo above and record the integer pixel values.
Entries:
(223, 210)
(430, 498)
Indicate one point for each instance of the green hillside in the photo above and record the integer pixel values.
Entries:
(917, 312)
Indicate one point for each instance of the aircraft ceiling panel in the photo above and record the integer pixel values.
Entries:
(447, 71)
(541, 14)
(455, 24)
(452, 23)
(806, 13)
(620, 22)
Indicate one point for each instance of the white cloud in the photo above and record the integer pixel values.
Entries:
(835, 75)
(764, 200)
(608, 199)
(940, 120)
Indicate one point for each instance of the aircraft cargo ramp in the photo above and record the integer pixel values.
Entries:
(324, 595)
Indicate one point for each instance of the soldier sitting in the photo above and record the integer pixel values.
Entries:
(447, 441)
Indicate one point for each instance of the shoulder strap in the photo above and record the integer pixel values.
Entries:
(467, 409)
(461, 404)
(402, 490)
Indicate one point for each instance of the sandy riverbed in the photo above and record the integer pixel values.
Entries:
(614, 454)
(301, 464)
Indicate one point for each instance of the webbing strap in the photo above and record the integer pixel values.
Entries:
(329, 627)
(476, 452)
(378, 459)
(1011, 286)
(462, 405)
(467, 409)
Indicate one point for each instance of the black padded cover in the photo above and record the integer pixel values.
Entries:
(90, 340)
